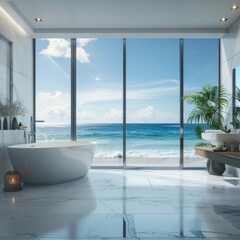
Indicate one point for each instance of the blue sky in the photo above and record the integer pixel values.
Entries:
(152, 78)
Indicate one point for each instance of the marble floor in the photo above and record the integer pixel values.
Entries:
(131, 204)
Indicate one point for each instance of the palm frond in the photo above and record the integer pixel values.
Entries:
(198, 131)
(203, 144)
(209, 103)
(237, 94)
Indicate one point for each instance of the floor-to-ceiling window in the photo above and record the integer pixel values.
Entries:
(100, 97)
(152, 96)
(201, 67)
(53, 81)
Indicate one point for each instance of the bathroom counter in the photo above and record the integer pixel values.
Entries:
(225, 157)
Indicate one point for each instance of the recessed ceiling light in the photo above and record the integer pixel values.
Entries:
(223, 19)
(38, 19)
(234, 7)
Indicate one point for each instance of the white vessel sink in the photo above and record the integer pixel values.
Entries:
(218, 137)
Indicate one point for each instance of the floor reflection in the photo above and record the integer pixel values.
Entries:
(125, 204)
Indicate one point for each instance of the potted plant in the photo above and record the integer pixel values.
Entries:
(209, 105)
(11, 109)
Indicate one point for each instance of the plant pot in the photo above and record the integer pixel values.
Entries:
(14, 123)
(5, 123)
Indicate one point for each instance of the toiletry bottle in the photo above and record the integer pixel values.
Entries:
(20, 126)
(224, 147)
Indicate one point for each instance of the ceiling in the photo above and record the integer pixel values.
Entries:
(123, 16)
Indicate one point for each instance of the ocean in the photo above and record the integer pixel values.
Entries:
(158, 140)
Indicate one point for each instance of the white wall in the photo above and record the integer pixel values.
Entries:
(22, 72)
(22, 57)
(4, 68)
(23, 76)
(230, 59)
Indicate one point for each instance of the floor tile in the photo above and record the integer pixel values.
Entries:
(129, 204)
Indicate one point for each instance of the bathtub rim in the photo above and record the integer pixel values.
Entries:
(50, 145)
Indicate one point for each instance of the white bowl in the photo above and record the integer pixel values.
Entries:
(218, 137)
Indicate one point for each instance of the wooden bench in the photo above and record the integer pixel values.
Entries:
(217, 160)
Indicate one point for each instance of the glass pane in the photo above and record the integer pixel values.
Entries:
(99, 97)
(153, 102)
(53, 89)
(236, 111)
(200, 68)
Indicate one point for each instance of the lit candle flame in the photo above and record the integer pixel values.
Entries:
(13, 181)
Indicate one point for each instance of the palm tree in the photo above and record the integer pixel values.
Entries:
(209, 104)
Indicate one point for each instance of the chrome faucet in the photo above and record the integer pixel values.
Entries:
(31, 135)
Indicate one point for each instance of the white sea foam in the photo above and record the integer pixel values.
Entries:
(146, 154)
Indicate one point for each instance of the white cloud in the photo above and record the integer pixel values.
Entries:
(97, 77)
(151, 115)
(82, 55)
(97, 96)
(170, 82)
(56, 113)
(85, 115)
(57, 48)
(115, 95)
(145, 113)
(61, 48)
(151, 93)
(82, 42)
(114, 114)
(47, 95)
(168, 117)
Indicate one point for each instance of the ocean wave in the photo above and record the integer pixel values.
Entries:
(145, 154)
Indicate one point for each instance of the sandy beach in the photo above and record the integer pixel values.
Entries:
(150, 162)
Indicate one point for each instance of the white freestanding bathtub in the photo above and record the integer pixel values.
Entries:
(52, 162)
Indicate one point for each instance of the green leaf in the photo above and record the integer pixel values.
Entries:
(198, 131)
(203, 144)
(209, 103)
